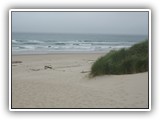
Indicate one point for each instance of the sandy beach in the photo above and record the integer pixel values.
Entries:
(61, 80)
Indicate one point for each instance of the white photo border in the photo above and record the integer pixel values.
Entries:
(78, 109)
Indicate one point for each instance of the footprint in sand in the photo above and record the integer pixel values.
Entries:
(83, 71)
(35, 69)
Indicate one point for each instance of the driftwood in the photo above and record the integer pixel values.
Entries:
(48, 67)
(14, 62)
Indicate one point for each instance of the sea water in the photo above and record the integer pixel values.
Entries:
(28, 43)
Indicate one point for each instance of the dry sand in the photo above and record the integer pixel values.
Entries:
(61, 81)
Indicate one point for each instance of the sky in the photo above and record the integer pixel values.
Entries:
(132, 23)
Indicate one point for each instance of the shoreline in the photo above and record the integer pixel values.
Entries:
(56, 53)
(61, 52)
(61, 81)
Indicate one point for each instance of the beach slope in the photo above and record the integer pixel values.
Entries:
(62, 81)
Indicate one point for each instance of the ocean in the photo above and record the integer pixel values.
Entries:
(30, 43)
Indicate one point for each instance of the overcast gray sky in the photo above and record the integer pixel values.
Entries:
(81, 22)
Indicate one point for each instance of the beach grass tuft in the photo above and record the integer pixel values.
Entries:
(123, 61)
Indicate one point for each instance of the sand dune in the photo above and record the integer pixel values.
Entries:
(61, 81)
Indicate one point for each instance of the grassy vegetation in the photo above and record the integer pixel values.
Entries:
(123, 61)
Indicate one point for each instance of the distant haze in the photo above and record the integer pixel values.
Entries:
(81, 22)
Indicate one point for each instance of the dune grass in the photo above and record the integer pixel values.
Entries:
(123, 61)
